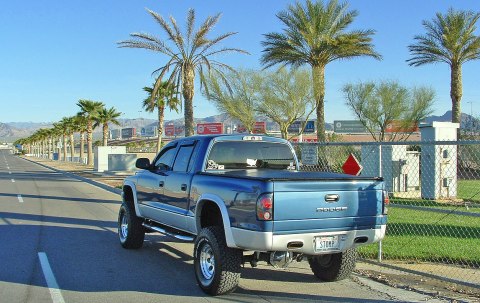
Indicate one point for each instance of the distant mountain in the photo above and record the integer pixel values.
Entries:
(29, 125)
(11, 131)
(466, 120)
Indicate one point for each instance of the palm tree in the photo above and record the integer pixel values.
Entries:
(450, 39)
(71, 128)
(105, 116)
(164, 97)
(63, 127)
(89, 109)
(189, 54)
(315, 34)
(81, 127)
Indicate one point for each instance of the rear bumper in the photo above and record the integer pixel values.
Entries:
(267, 241)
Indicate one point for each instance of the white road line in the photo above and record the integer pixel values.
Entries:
(52, 284)
(13, 180)
(20, 199)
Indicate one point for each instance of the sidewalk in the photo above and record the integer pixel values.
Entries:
(387, 275)
(113, 180)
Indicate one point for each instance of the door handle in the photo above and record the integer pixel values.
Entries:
(332, 198)
(184, 187)
(161, 183)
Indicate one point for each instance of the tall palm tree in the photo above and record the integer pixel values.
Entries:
(164, 97)
(189, 54)
(105, 116)
(71, 124)
(89, 109)
(81, 127)
(450, 39)
(315, 34)
(63, 127)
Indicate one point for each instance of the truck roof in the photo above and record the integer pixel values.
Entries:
(239, 137)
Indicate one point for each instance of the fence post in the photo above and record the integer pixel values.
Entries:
(380, 175)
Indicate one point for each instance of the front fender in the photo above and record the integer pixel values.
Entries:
(225, 218)
(133, 187)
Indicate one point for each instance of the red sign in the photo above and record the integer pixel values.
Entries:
(401, 127)
(260, 128)
(304, 140)
(352, 166)
(169, 130)
(209, 128)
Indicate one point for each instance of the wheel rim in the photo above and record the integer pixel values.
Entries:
(207, 262)
(324, 260)
(123, 227)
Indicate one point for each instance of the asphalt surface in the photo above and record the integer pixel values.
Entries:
(58, 243)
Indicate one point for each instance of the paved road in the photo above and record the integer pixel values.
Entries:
(58, 243)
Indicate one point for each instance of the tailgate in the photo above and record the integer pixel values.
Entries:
(301, 206)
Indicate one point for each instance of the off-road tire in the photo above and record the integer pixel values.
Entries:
(333, 267)
(223, 275)
(130, 230)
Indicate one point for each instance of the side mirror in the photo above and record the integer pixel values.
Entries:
(142, 163)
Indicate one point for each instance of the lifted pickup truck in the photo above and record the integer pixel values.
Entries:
(243, 199)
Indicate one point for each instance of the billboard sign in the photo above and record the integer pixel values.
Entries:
(169, 130)
(115, 134)
(209, 128)
(304, 140)
(348, 127)
(296, 126)
(150, 131)
(130, 132)
(260, 127)
(397, 126)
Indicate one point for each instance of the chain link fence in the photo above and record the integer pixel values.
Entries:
(434, 213)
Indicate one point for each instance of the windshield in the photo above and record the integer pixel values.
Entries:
(251, 155)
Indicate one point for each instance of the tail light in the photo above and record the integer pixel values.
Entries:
(265, 207)
(386, 201)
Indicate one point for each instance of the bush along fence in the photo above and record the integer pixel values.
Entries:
(434, 212)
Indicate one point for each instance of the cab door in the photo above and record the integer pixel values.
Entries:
(151, 184)
(178, 181)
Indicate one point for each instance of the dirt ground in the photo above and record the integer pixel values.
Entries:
(393, 277)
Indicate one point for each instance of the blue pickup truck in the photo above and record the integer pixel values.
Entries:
(244, 199)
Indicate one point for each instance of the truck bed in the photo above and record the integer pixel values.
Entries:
(285, 175)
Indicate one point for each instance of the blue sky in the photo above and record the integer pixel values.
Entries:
(53, 53)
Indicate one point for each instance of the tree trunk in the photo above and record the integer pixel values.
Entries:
(89, 143)
(318, 76)
(49, 151)
(161, 118)
(284, 131)
(82, 145)
(188, 92)
(105, 134)
(456, 94)
(72, 147)
(64, 147)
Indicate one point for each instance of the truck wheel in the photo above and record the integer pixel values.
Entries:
(333, 267)
(130, 230)
(217, 267)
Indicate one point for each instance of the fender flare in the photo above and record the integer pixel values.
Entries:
(223, 210)
(134, 194)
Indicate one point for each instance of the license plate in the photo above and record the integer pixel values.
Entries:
(326, 243)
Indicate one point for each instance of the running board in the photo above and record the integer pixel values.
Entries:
(165, 232)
